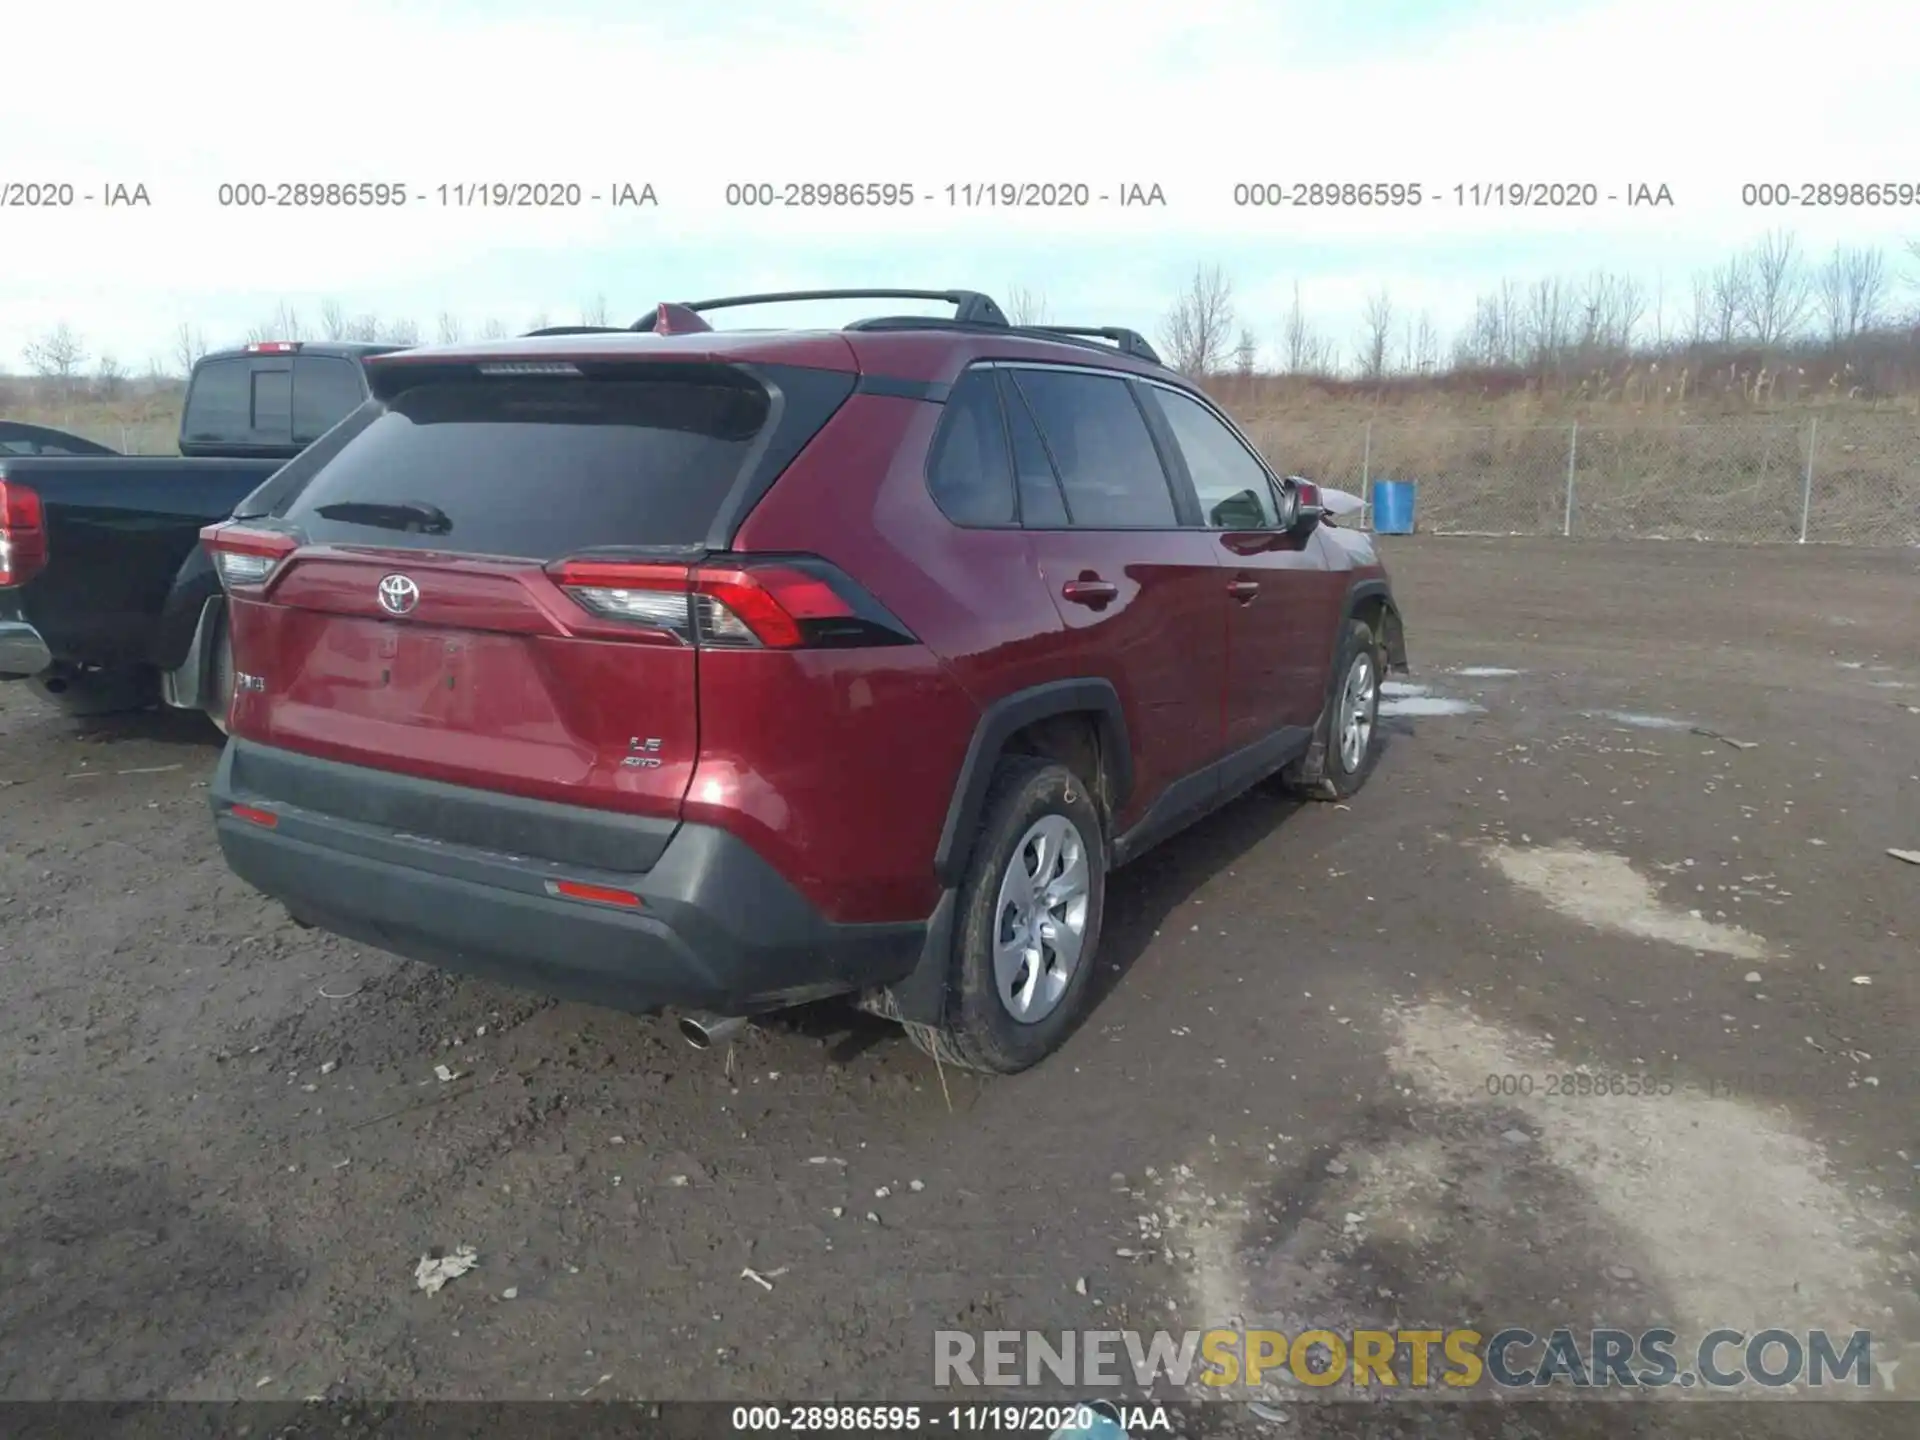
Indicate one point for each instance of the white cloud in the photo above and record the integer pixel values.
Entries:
(1194, 98)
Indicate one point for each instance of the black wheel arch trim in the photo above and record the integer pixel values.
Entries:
(998, 723)
(1394, 636)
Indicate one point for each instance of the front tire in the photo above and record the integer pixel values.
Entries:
(1028, 924)
(1346, 742)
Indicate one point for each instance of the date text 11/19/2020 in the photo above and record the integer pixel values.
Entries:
(1107, 1418)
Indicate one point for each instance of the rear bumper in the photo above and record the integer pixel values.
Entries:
(718, 928)
(22, 650)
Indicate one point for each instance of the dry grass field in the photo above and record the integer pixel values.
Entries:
(1703, 451)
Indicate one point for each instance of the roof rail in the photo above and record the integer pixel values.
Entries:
(1128, 342)
(970, 306)
(576, 330)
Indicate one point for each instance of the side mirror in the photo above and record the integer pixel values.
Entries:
(1287, 501)
(1300, 505)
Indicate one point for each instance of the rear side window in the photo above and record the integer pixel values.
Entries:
(968, 471)
(1041, 507)
(1100, 444)
(536, 468)
(220, 404)
(325, 391)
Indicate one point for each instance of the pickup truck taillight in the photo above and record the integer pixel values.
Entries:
(23, 534)
(244, 558)
(745, 603)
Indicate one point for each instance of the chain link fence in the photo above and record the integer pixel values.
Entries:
(1847, 479)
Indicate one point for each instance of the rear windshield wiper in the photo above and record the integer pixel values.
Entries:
(414, 516)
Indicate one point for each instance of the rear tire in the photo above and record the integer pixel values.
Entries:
(85, 694)
(1027, 927)
(1346, 741)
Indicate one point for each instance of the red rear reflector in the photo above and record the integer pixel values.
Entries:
(598, 894)
(23, 534)
(264, 818)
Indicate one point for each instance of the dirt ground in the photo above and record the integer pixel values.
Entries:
(225, 1145)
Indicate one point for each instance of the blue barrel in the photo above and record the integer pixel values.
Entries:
(1393, 507)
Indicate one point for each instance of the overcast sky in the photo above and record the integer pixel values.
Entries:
(1701, 97)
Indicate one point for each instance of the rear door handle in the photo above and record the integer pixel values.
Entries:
(1089, 592)
(1243, 590)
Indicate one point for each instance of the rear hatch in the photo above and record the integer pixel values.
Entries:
(488, 579)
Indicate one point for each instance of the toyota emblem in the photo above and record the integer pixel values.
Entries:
(398, 594)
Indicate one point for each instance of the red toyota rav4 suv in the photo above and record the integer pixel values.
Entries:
(723, 671)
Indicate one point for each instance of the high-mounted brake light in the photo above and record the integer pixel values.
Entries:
(273, 347)
(246, 558)
(529, 367)
(786, 604)
(23, 534)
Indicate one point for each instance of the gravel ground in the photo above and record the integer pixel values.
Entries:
(226, 1145)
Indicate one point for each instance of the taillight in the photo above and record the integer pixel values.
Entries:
(789, 603)
(273, 347)
(23, 534)
(245, 558)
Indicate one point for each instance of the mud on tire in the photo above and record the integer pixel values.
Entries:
(1324, 772)
(980, 1031)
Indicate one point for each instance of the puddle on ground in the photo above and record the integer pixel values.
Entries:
(1429, 705)
(1702, 1209)
(1890, 684)
(1486, 672)
(1392, 688)
(1606, 892)
(1639, 721)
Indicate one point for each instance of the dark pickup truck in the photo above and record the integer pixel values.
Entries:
(107, 599)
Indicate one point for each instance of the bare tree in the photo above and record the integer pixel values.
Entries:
(539, 321)
(594, 312)
(1725, 295)
(1027, 307)
(448, 329)
(334, 324)
(284, 325)
(109, 378)
(1376, 332)
(493, 330)
(1496, 336)
(1303, 352)
(59, 355)
(1549, 323)
(403, 333)
(1423, 345)
(189, 344)
(1852, 289)
(1774, 299)
(1246, 353)
(1198, 330)
(366, 327)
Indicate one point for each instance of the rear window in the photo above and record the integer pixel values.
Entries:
(537, 468)
(325, 391)
(270, 402)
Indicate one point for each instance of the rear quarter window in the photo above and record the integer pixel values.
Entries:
(536, 467)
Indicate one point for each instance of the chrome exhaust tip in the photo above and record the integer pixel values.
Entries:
(703, 1031)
